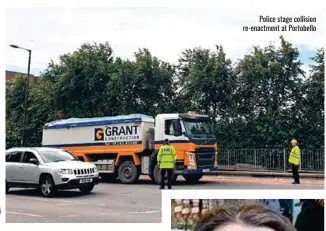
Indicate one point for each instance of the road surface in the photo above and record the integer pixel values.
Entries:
(118, 203)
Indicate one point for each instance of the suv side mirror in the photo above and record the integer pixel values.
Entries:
(33, 161)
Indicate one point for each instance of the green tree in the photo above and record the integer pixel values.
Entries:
(81, 80)
(267, 94)
(261, 101)
(15, 107)
(145, 84)
(206, 80)
(15, 93)
(313, 103)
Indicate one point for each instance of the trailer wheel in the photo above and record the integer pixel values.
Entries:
(157, 175)
(192, 178)
(128, 172)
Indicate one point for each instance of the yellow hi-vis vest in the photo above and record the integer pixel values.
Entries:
(295, 155)
(166, 156)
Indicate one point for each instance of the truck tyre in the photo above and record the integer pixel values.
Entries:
(128, 172)
(157, 175)
(47, 187)
(86, 189)
(152, 165)
(192, 178)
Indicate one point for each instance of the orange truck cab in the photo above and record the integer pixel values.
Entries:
(126, 146)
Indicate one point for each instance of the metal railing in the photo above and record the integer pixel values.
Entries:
(312, 160)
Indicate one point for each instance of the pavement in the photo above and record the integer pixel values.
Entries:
(303, 175)
(119, 203)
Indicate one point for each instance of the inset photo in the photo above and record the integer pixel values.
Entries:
(247, 214)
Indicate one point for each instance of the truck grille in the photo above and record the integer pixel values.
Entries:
(84, 171)
(205, 157)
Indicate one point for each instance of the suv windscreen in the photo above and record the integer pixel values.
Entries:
(49, 156)
(198, 128)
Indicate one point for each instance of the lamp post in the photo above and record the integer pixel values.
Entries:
(26, 90)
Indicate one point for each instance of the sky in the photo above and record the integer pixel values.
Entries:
(166, 32)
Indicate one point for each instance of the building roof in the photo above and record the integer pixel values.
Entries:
(13, 74)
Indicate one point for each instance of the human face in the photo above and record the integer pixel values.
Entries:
(293, 144)
(238, 227)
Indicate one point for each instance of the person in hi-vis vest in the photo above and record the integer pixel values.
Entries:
(166, 158)
(294, 159)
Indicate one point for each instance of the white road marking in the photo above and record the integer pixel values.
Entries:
(82, 203)
(69, 216)
(146, 212)
(59, 201)
(64, 204)
(24, 214)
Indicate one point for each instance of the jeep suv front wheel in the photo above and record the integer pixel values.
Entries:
(47, 187)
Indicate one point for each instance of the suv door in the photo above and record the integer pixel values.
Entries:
(13, 162)
(30, 171)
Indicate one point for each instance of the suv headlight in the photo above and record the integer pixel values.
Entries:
(95, 170)
(66, 171)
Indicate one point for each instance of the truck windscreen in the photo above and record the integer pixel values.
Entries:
(198, 128)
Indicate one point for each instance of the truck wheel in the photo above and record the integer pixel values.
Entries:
(128, 172)
(157, 175)
(86, 189)
(47, 186)
(192, 178)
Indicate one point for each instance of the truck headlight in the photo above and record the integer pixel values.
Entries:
(191, 158)
(66, 171)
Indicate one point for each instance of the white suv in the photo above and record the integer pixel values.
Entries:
(48, 169)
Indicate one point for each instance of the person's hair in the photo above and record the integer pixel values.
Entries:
(248, 215)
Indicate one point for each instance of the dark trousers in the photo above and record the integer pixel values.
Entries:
(295, 173)
(163, 174)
